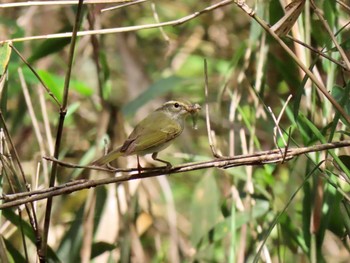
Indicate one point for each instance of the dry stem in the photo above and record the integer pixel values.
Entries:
(259, 158)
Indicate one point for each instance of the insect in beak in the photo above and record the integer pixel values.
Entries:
(194, 109)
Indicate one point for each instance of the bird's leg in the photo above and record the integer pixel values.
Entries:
(109, 166)
(154, 157)
(139, 167)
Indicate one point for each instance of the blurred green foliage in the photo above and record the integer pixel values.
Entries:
(299, 209)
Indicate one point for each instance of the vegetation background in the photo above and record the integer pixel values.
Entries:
(296, 211)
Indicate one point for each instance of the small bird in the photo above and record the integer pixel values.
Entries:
(154, 133)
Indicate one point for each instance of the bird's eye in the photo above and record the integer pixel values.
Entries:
(176, 105)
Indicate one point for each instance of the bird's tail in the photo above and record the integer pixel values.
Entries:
(108, 157)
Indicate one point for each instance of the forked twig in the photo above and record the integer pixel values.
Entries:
(277, 121)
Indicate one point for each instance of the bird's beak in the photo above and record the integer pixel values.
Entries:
(193, 109)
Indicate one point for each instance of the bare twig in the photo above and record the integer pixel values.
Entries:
(36, 75)
(123, 5)
(277, 121)
(156, 18)
(128, 28)
(319, 52)
(259, 158)
(276, 129)
(63, 111)
(46, 121)
(287, 146)
(29, 207)
(60, 2)
(235, 98)
(16, 196)
(34, 119)
(346, 7)
(209, 130)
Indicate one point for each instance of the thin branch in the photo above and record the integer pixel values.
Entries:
(259, 158)
(207, 118)
(63, 111)
(93, 167)
(319, 52)
(125, 29)
(46, 121)
(235, 99)
(156, 18)
(277, 121)
(287, 146)
(16, 196)
(276, 129)
(29, 207)
(122, 5)
(61, 2)
(36, 75)
(346, 7)
(34, 119)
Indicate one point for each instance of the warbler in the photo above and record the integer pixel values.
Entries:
(155, 132)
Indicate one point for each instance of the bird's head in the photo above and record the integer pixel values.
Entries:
(179, 109)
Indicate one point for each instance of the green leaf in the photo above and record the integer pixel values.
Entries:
(101, 247)
(55, 83)
(345, 211)
(14, 252)
(276, 11)
(290, 232)
(205, 207)
(70, 245)
(223, 228)
(345, 45)
(346, 161)
(17, 221)
(50, 46)
(3, 95)
(341, 95)
(5, 54)
(28, 232)
(322, 139)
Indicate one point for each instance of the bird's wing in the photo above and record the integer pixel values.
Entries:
(153, 131)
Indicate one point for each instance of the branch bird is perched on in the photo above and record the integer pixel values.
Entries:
(154, 133)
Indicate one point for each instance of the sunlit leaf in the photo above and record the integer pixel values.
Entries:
(5, 54)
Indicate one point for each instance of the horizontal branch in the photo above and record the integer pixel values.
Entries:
(260, 158)
(51, 3)
(124, 29)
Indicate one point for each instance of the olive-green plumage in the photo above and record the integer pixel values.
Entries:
(155, 132)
